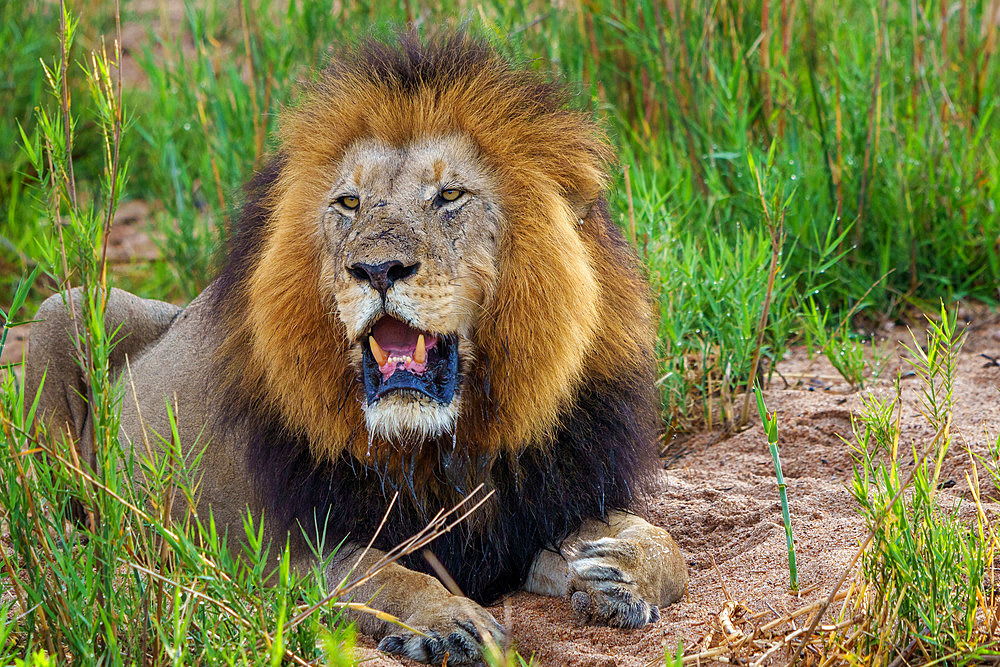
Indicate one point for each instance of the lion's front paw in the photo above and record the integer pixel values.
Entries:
(603, 586)
(454, 629)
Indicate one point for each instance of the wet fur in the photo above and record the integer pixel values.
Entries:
(562, 430)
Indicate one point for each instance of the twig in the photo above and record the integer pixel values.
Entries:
(798, 612)
(722, 581)
(704, 655)
(631, 209)
(725, 617)
(434, 529)
(872, 122)
(777, 234)
(783, 642)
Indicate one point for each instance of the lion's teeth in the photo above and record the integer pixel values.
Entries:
(380, 357)
(420, 354)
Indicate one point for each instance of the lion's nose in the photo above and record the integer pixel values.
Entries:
(382, 276)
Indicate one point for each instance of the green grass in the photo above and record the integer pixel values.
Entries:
(925, 590)
(770, 423)
(925, 581)
(791, 165)
(139, 584)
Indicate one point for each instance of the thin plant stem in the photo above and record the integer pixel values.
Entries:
(770, 422)
(777, 235)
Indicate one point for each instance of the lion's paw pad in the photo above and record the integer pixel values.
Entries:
(459, 647)
(460, 644)
(602, 591)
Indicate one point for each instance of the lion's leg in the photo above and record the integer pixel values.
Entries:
(62, 406)
(618, 573)
(454, 625)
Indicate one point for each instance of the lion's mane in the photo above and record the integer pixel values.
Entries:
(562, 430)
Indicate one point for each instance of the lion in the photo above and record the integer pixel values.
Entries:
(424, 292)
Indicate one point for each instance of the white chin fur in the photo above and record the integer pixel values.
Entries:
(407, 416)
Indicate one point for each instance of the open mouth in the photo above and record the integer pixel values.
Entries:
(397, 357)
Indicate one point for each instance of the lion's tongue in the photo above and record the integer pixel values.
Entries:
(397, 342)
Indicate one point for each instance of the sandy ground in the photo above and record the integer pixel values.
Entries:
(719, 500)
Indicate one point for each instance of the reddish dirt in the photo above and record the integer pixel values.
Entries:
(719, 499)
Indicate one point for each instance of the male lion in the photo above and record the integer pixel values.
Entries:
(424, 292)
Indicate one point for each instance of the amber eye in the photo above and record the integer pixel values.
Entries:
(451, 194)
(350, 202)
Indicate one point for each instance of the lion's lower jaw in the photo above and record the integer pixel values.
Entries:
(409, 416)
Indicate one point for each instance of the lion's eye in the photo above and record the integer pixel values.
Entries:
(451, 194)
(350, 202)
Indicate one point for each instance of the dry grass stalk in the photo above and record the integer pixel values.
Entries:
(874, 119)
(116, 97)
(436, 527)
(631, 208)
(682, 94)
(203, 121)
(765, 59)
(735, 638)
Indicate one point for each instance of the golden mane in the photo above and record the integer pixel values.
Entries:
(585, 319)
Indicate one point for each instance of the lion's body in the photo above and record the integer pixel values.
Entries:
(537, 379)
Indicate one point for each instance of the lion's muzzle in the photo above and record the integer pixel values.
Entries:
(382, 276)
(397, 357)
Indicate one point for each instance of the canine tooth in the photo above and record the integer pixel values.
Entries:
(380, 356)
(420, 354)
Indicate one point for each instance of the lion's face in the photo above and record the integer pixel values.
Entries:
(431, 194)
(409, 241)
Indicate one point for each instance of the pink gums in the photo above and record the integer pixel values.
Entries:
(399, 341)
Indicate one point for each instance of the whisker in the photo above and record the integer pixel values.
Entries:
(478, 305)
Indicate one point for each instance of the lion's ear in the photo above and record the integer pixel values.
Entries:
(584, 195)
(579, 205)
(585, 184)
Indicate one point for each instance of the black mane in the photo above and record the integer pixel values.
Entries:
(600, 462)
